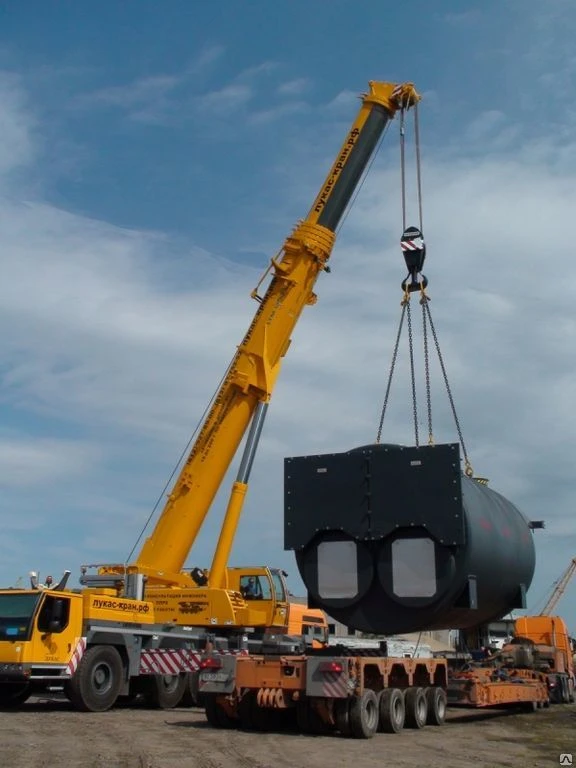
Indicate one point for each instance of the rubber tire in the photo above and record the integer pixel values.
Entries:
(308, 720)
(13, 696)
(437, 705)
(190, 696)
(165, 694)
(364, 715)
(342, 716)
(416, 707)
(80, 689)
(216, 716)
(392, 711)
(246, 711)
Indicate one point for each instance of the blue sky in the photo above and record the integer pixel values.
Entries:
(154, 156)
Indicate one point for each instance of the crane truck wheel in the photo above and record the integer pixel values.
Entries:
(97, 681)
(416, 707)
(437, 703)
(165, 691)
(192, 697)
(342, 716)
(13, 696)
(308, 719)
(215, 714)
(364, 715)
(392, 710)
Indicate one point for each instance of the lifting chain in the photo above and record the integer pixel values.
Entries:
(424, 303)
(414, 250)
(468, 471)
(412, 373)
(391, 373)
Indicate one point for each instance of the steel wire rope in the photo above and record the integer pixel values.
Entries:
(467, 466)
(183, 454)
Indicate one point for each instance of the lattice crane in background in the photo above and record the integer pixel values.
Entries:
(559, 589)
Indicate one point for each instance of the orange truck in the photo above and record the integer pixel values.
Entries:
(309, 623)
(552, 653)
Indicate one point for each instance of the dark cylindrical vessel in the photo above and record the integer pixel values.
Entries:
(395, 539)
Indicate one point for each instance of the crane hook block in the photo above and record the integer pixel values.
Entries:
(391, 539)
(414, 250)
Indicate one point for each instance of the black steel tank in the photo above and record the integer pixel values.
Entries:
(393, 539)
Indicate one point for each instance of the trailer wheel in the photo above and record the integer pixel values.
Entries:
(416, 707)
(342, 716)
(165, 691)
(97, 681)
(364, 715)
(246, 712)
(392, 711)
(215, 714)
(308, 720)
(437, 703)
(13, 696)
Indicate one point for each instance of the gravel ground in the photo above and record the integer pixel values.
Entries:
(51, 735)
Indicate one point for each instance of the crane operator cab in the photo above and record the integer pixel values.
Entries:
(265, 594)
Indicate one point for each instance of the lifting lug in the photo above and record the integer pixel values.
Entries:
(414, 252)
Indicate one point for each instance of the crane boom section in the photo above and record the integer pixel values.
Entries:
(252, 374)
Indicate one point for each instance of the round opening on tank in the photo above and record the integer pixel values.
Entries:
(414, 567)
(336, 569)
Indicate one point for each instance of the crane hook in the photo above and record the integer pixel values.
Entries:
(414, 251)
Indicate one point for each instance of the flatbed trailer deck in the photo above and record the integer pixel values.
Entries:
(487, 687)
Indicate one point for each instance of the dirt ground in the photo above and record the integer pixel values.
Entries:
(47, 735)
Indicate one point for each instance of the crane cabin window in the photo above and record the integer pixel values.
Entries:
(337, 570)
(255, 588)
(16, 613)
(414, 567)
(279, 591)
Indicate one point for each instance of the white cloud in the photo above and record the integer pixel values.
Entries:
(277, 112)
(151, 99)
(294, 87)
(16, 126)
(223, 99)
(36, 461)
(140, 91)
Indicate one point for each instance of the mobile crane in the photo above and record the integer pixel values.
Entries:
(142, 626)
